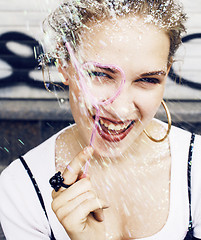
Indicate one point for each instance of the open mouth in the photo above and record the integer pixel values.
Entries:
(114, 131)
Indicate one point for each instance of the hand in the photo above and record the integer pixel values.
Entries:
(77, 208)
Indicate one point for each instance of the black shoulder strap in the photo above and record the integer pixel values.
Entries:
(189, 178)
(37, 191)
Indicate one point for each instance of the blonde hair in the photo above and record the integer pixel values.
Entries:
(72, 16)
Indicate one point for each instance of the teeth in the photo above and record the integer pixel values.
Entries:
(102, 123)
(114, 127)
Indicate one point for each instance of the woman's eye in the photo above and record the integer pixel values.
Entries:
(99, 74)
(148, 80)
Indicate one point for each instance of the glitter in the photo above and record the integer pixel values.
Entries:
(6, 149)
(70, 168)
(149, 19)
(105, 164)
(69, 19)
(62, 100)
(56, 63)
(126, 210)
(63, 80)
(35, 55)
(20, 141)
(49, 125)
(72, 16)
(108, 188)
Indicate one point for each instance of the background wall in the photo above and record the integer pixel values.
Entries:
(29, 114)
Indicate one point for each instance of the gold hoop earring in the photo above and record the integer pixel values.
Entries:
(169, 125)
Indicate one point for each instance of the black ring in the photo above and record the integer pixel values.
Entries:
(56, 182)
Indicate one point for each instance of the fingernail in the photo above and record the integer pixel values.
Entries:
(70, 168)
(102, 204)
(105, 207)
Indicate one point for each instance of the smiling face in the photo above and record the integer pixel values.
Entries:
(141, 51)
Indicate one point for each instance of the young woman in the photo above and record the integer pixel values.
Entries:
(123, 176)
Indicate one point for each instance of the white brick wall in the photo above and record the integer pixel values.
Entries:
(188, 57)
(26, 16)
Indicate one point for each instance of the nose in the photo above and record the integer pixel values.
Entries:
(123, 106)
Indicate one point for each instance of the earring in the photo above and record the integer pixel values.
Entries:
(169, 125)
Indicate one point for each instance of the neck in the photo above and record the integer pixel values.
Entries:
(141, 153)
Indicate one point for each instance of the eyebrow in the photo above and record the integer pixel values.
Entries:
(161, 72)
(107, 69)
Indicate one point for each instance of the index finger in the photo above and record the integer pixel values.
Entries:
(73, 169)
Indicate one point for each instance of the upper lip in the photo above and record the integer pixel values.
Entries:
(114, 121)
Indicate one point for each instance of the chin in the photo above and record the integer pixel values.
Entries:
(110, 148)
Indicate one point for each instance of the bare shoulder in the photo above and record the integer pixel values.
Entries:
(67, 133)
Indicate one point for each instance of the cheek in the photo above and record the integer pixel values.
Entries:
(77, 104)
(80, 107)
(75, 97)
(149, 103)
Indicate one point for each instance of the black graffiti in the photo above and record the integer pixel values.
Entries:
(22, 66)
(180, 80)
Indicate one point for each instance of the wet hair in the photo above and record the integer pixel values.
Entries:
(72, 16)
